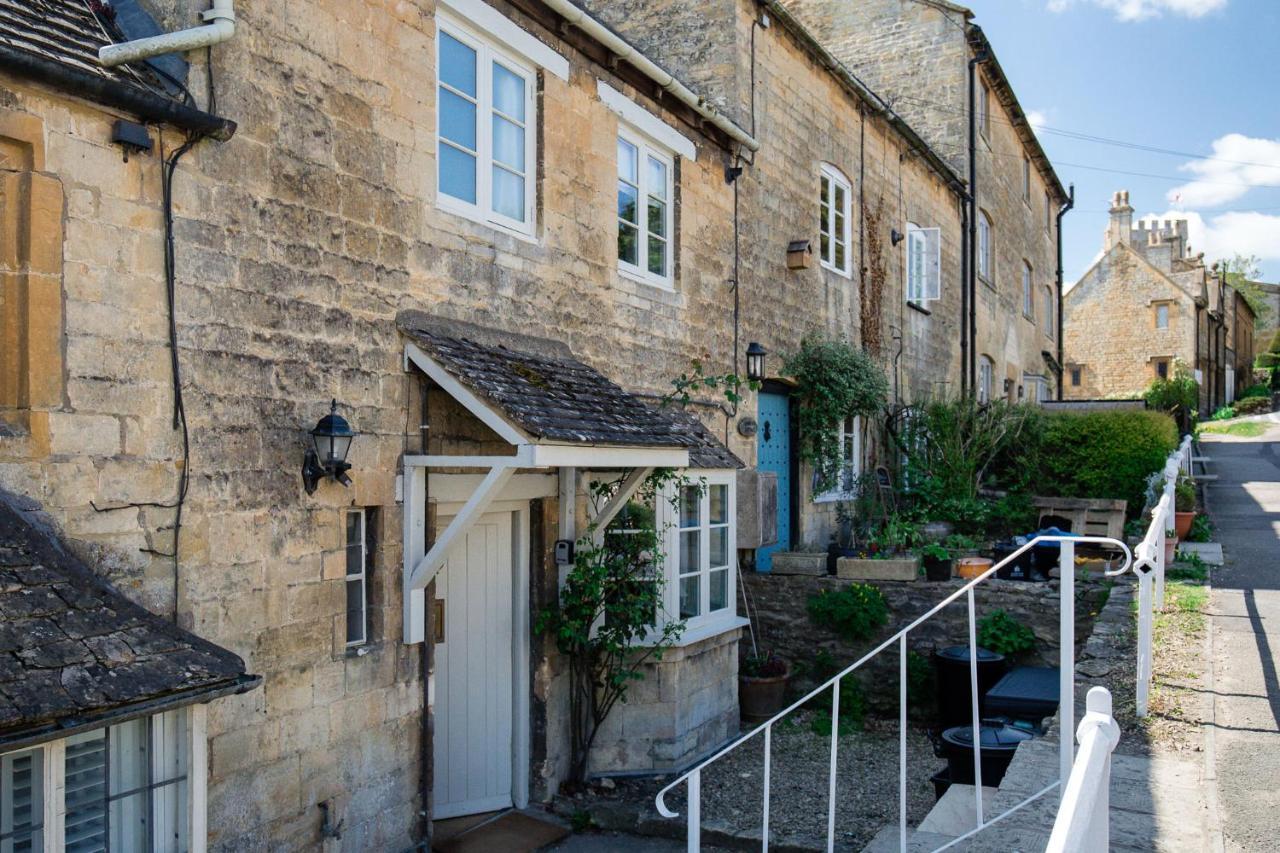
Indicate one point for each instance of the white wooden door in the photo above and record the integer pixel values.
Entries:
(474, 689)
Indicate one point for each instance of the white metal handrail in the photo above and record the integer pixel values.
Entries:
(1066, 691)
(1083, 824)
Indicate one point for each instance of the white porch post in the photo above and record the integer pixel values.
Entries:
(415, 543)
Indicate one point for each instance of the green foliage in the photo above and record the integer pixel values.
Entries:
(1188, 567)
(1225, 413)
(1201, 530)
(604, 623)
(1253, 405)
(763, 665)
(1184, 495)
(1179, 395)
(684, 386)
(853, 708)
(1242, 274)
(1002, 633)
(1256, 391)
(580, 820)
(1243, 429)
(836, 380)
(1107, 454)
(919, 679)
(854, 612)
(934, 551)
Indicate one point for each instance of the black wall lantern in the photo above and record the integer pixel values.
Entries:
(328, 457)
(755, 362)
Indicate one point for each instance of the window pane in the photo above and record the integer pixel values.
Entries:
(689, 597)
(86, 791)
(690, 551)
(457, 119)
(508, 93)
(129, 822)
(838, 202)
(628, 162)
(457, 64)
(657, 256)
(719, 546)
(657, 217)
(657, 178)
(169, 810)
(826, 190)
(628, 202)
(22, 801)
(690, 506)
(130, 754)
(628, 244)
(355, 544)
(719, 504)
(457, 174)
(824, 245)
(171, 759)
(719, 590)
(355, 611)
(508, 193)
(508, 143)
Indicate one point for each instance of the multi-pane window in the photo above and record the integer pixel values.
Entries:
(645, 184)
(924, 253)
(1162, 368)
(1028, 295)
(1075, 376)
(986, 377)
(984, 111)
(985, 263)
(834, 220)
(1049, 312)
(485, 136)
(850, 442)
(1026, 179)
(1162, 316)
(705, 550)
(124, 788)
(357, 578)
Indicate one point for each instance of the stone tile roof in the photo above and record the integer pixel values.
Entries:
(73, 650)
(554, 397)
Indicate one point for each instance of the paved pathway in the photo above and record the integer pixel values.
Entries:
(1245, 730)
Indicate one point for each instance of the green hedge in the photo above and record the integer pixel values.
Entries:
(1103, 454)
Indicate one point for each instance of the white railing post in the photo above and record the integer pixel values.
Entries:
(831, 780)
(768, 772)
(1144, 640)
(1066, 654)
(1083, 824)
(693, 830)
(902, 744)
(973, 708)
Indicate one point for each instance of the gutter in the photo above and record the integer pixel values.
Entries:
(620, 47)
(114, 93)
(1062, 211)
(219, 27)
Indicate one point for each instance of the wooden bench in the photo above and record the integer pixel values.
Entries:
(1087, 516)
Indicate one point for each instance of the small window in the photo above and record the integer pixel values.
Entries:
(834, 229)
(485, 137)
(1162, 368)
(924, 262)
(850, 443)
(1162, 316)
(1049, 312)
(1026, 179)
(984, 111)
(984, 246)
(1028, 295)
(986, 377)
(645, 186)
(357, 578)
(1075, 376)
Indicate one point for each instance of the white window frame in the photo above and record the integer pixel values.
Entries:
(646, 148)
(1028, 291)
(986, 378)
(827, 220)
(923, 249)
(53, 761)
(986, 259)
(707, 622)
(361, 577)
(850, 461)
(1165, 306)
(489, 51)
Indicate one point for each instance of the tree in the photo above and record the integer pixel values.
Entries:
(1242, 273)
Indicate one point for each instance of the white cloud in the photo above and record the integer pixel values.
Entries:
(1139, 10)
(1037, 118)
(1228, 177)
(1225, 234)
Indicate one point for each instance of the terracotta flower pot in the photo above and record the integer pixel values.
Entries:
(970, 567)
(760, 697)
(1182, 523)
(1170, 549)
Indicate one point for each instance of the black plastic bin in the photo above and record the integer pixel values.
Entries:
(1019, 569)
(1026, 693)
(999, 742)
(951, 671)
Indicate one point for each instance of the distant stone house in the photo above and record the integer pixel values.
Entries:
(492, 233)
(1146, 305)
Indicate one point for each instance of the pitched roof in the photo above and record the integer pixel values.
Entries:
(545, 392)
(74, 652)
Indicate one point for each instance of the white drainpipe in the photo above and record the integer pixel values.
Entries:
(598, 31)
(220, 26)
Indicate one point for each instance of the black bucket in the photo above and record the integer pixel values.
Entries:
(951, 670)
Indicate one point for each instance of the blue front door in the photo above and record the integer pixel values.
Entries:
(773, 453)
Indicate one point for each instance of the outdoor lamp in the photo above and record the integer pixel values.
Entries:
(331, 439)
(755, 362)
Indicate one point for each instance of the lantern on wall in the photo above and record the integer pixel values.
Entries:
(327, 457)
(755, 362)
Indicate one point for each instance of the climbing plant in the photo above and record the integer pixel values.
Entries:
(835, 381)
(695, 379)
(873, 277)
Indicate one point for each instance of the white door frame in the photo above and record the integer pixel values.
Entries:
(521, 735)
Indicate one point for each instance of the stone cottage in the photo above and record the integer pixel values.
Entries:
(1147, 304)
(467, 245)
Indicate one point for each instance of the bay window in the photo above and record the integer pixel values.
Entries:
(834, 220)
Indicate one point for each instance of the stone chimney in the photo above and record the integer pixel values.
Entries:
(1121, 226)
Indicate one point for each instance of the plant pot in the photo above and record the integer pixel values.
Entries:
(892, 569)
(761, 697)
(971, 567)
(1182, 523)
(1170, 549)
(936, 569)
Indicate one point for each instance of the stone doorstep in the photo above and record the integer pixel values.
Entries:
(955, 814)
(812, 563)
(643, 819)
(852, 568)
(1210, 552)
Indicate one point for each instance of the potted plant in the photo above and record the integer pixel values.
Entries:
(762, 686)
(1184, 506)
(1170, 546)
(842, 541)
(886, 555)
(937, 562)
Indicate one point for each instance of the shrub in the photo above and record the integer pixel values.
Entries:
(1108, 454)
(1178, 395)
(1255, 391)
(1201, 529)
(1002, 633)
(1184, 496)
(854, 612)
(1253, 405)
(1225, 413)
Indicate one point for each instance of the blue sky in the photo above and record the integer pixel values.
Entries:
(1193, 76)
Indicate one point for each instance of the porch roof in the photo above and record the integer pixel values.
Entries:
(74, 653)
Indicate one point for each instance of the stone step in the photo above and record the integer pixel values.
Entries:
(956, 813)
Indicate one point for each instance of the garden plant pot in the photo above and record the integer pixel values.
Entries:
(895, 569)
(971, 567)
(936, 570)
(1170, 549)
(1182, 523)
(761, 697)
